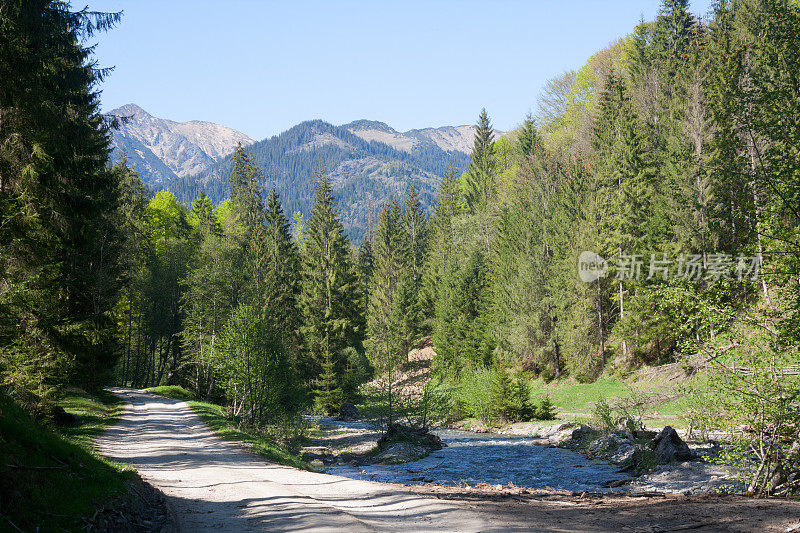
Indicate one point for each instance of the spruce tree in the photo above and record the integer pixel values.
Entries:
(202, 216)
(282, 277)
(479, 187)
(387, 336)
(330, 296)
(528, 140)
(60, 245)
(414, 226)
(441, 242)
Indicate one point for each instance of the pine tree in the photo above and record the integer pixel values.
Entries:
(414, 226)
(387, 336)
(330, 297)
(60, 244)
(479, 187)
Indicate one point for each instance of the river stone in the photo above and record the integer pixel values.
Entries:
(348, 412)
(401, 452)
(560, 436)
(670, 447)
(581, 432)
(625, 453)
(608, 445)
(417, 436)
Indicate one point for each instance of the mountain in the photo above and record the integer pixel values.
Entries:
(161, 150)
(368, 162)
(447, 138)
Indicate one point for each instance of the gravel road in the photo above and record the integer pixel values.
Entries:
(211, 484)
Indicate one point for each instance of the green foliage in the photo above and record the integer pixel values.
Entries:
(253, 369)
(60, 245)
(330, 298)
(176, 392)
(470, 397)
(34, 457)
(754, 392)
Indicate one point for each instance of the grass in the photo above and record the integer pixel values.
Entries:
(52, 480)
(575, 401)
(213, 415)
(172, 391)
(95, 414)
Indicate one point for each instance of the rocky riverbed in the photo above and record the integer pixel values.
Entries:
(536, 456)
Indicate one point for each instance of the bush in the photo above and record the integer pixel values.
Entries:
(546, 410)
(603, 415)
(253, 369)
(753, 392)
(500, 394)
(472, 397)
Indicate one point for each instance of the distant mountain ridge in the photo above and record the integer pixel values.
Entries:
(365, 173)
(447, 138)
(161, 150)
(368, 161)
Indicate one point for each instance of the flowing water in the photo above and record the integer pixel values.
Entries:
(471, 458)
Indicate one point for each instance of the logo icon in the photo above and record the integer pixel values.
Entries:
(591, 267)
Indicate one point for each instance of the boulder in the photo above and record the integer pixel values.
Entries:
(63, 418)
(348, 412)
(669, 447)
(625, 453)
(416, 436)
(608, 445)
(581, 432)
(400, 452)
(560, 436)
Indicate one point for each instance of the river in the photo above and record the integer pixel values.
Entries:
(472, 458)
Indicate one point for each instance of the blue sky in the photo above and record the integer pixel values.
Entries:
(262, 66)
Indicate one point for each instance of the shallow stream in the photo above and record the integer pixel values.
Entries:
(472, 458)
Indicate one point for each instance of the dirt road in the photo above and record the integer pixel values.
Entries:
(213, 485)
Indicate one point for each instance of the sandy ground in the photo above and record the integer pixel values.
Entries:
(211, 484)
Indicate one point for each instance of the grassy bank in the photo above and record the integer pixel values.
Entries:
(657, 396)
(50, 479)
(259, 442)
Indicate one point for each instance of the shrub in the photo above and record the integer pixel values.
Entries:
(546, 410)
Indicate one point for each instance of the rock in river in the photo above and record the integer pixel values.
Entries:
(670, 447)
(348, 412)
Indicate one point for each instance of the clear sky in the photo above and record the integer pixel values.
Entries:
(263, 66)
